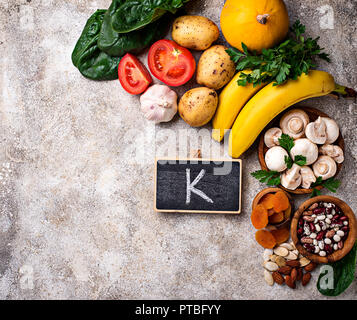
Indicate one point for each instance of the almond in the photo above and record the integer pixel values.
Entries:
(306, 278)
(293, 263)
(278, 278)
(285, 270)
(290, 282)
(293, 274)
(311, 266)
(299, 274)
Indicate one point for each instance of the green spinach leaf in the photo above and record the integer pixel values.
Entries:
(343, 274)
(118, 44)
(88, 58)
(131, 15)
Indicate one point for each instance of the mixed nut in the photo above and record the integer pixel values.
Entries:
(323, 228)
(284, 264)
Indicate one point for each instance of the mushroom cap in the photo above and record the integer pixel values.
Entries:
(275, 159)
(333, 151)
(294, 122)
(332, 130)
(271, 137)
(307, 176)
(316, 131)
(306, 148)
(291, 178)
(325, 167)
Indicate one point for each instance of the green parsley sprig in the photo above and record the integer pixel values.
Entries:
(286, 61)
(330, 184)
(286, 142)
(271, 178)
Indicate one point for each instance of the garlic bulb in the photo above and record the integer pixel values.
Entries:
(159, 103)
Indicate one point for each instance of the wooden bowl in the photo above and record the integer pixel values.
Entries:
(349, 241)
(262, 193)
(313, 115)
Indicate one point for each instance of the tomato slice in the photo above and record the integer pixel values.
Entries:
(133, 75)
(171, 63)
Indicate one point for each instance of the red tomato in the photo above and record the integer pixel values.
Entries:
(133, 75)
(171, 63)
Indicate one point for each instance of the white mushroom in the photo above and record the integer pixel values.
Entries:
(316, 131)
(275, 159)
(307, 176)
(324, 167)
(332, 130)
(294, 122)
(333, 151)
(271, 137)
(306, 148)
(291, 178)
(159, 103)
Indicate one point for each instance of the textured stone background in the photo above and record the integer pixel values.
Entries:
(76, 218)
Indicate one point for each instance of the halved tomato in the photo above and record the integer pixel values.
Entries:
(133, 75)
(171, 63)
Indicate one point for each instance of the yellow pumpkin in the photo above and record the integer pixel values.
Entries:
(258, 23)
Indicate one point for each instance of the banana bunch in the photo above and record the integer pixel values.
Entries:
(247, 110)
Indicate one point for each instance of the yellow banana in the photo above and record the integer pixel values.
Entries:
(231, 101)
(269, 102)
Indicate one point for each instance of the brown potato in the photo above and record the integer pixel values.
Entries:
(215, 68)
(197, 106)
(194, 32)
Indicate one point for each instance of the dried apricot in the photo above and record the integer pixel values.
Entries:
(277, 217)
(271, 212)
(265, 239)
(287, 213)
(280, 201)
(259, 217)
(281, 235)
(266, 201)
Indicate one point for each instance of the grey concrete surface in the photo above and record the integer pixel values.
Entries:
(76, 170)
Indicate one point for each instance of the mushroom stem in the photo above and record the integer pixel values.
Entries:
(263, 18)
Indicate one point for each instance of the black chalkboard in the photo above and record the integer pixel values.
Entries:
(198, 185)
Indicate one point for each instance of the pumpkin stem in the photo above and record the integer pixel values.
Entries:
(263, 18)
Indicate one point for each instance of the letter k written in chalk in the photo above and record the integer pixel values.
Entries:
(191, 186)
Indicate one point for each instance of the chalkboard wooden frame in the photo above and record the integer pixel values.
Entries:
(198, 211)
